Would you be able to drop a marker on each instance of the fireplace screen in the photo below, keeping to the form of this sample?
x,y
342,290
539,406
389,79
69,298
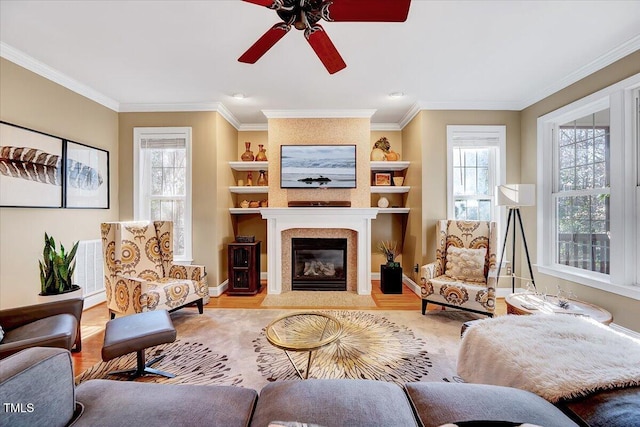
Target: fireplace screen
x,y
318,264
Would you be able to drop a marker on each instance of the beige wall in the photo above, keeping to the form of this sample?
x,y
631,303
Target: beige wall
x,y
434,162
213,145
625,310
414,248
37,103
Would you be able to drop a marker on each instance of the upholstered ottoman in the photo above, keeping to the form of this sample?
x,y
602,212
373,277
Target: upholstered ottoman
x,y
137,332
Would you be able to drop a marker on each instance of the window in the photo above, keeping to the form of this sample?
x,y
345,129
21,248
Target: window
x,y
162,182
588,194
581,194
475,156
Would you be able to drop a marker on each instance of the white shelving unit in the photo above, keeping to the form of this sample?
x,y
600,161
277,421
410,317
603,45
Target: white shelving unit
x,y
393,210
249,189
390,166
375,167
244,211
389,189
249,166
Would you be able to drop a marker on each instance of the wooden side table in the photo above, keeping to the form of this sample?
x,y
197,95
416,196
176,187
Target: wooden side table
x,y
244,268
528,303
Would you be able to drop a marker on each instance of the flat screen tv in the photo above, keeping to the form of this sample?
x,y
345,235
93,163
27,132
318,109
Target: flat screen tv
x,y
318,166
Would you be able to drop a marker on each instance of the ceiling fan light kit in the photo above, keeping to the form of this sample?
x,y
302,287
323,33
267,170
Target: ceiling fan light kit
x,y
304,15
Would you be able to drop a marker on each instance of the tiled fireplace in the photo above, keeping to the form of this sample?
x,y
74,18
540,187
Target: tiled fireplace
x,y
352,225
318,264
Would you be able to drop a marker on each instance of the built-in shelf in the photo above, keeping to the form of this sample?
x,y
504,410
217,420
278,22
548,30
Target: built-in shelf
x,y
390,166
389,189
249,166
393,210
249,189
244,211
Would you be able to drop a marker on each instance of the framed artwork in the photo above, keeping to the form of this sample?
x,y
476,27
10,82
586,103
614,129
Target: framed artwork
x,y
383,178
30,168
86,176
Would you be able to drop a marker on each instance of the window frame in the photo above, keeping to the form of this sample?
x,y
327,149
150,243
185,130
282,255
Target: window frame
x,y
478,136
139,199
623,277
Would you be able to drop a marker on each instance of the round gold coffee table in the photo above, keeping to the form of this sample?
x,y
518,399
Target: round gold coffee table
x,y
304,331
529,303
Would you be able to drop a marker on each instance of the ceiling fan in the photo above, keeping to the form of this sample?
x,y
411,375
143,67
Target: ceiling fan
x,y
305,14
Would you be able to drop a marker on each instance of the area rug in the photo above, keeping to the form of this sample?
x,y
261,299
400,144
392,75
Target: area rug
x,y
229,347
555,356
310,299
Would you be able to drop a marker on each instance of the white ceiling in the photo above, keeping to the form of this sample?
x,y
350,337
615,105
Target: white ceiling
x,y
181,55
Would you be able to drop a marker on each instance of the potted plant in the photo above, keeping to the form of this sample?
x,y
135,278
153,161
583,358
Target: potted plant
x,y
390,251
391,272
56,271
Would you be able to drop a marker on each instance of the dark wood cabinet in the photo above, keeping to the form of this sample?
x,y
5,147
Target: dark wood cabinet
x,y
244,268
390,279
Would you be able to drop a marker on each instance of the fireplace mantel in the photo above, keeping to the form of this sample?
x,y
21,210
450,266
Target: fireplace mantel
x,y
280,219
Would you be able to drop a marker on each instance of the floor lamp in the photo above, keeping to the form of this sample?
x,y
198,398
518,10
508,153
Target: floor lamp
x,y
513,196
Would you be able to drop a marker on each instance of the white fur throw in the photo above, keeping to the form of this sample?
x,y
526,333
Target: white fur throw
x,y
555,356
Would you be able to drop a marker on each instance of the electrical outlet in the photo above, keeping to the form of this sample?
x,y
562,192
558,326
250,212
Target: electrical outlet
x,y
508,270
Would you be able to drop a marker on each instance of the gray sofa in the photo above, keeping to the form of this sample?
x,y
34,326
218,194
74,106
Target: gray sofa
x,y
37,388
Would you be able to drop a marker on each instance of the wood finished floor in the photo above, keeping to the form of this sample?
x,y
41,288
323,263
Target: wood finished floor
x,y
94,319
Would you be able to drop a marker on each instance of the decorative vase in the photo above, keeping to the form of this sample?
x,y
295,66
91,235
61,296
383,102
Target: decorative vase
x,y
392,156
383,202
378,155
247,156
262,154
249,179
262,179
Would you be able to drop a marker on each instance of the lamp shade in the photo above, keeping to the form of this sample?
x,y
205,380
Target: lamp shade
x,y
515,195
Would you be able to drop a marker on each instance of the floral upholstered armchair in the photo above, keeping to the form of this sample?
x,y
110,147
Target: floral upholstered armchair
x,y
139,271
465,274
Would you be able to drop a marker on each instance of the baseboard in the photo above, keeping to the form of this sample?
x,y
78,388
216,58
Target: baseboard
x,y
216,291
415,288
94,299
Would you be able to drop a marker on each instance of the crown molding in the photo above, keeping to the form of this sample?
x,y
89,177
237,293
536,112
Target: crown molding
x,y
182,107
409,115
318,114
25,61
385,127
599,63
254,127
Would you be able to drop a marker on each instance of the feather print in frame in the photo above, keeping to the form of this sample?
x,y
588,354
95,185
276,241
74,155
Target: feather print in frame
x,y
30,168
87,176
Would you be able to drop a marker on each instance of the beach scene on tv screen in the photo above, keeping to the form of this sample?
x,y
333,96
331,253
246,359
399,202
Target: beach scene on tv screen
x,y
318,166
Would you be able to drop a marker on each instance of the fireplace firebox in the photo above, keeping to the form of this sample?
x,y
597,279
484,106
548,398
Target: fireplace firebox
x,y
318,264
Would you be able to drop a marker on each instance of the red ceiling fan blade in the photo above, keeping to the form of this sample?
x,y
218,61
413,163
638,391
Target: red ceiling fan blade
x,y
264,43
265,3
324,48
366,10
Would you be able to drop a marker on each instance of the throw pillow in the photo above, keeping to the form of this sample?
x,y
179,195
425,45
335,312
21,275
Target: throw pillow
x,y
1,334
466,264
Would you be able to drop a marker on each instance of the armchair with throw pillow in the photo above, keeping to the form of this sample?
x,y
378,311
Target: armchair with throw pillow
x,y
139,271
464,275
